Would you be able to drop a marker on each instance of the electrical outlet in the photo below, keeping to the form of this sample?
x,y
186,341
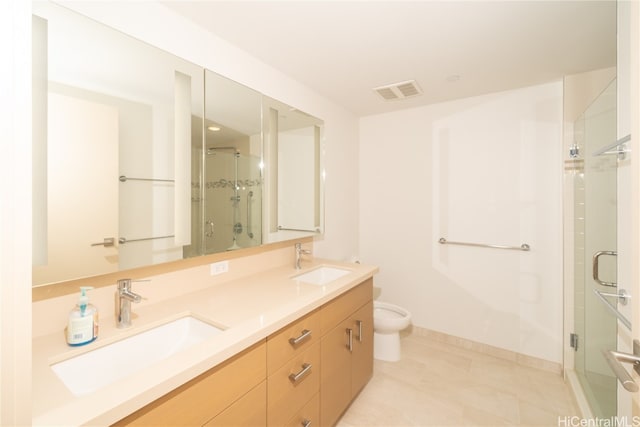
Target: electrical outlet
x,y
219,267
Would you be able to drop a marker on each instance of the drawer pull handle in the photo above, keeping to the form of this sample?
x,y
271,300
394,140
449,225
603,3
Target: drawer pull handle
x,y
350,342
306,369
305,334
359,323
306,423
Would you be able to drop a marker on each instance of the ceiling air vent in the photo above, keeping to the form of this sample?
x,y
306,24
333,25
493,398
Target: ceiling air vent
x,y
399,90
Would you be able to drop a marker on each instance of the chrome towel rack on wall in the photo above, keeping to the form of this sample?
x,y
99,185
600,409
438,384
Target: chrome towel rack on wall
x,y
123,240
524,247
124,178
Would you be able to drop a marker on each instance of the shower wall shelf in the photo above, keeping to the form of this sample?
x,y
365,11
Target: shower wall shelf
x,y
617,148
612,308
524,247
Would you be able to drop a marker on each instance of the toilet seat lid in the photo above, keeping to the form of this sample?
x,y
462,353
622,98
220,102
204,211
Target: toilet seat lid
x,y
390,311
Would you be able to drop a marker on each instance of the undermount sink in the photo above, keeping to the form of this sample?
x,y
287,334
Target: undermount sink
x,y
91,371
322,275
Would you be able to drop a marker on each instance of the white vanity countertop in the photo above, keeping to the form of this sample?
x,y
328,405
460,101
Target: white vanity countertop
x,y
251,308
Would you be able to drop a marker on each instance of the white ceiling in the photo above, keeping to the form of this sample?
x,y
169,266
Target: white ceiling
x,y
343,49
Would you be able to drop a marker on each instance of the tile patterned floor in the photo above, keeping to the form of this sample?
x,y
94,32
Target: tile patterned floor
x,y
438,384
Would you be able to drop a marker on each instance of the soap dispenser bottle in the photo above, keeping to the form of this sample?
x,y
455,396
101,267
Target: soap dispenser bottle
x,y
82,327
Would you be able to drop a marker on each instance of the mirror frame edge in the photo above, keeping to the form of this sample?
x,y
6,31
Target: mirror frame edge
x,y
57,289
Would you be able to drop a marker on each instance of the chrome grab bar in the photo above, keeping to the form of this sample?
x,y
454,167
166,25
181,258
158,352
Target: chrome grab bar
x,y
317,230
108,241
306,369
612,308
124,240
522,247
249,215
595,262
614,358
306,333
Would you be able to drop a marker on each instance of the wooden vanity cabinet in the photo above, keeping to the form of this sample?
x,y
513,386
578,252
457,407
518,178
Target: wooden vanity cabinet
x,y
346,350
306,374
235,391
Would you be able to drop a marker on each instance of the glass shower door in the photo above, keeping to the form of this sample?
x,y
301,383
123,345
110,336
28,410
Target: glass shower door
x,y
595,233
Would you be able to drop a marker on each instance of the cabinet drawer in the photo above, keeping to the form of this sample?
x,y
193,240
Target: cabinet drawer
x,y
285,396
204,397
248,411
309,415
281,346
343,306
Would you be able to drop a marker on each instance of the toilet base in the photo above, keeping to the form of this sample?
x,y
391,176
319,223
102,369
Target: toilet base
x,y
386,346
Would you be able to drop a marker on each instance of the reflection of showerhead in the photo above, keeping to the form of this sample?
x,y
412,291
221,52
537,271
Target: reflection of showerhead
x,y
212,150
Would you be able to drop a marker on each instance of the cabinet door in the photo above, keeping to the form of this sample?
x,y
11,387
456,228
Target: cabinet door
x,y
248,411
362,356
198,401
335,389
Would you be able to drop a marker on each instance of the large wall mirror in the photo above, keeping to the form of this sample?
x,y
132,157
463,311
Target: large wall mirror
x,y
141,157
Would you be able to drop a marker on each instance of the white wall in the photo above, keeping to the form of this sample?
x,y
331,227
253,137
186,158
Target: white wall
x,y
15,213
626,207
149,21
486,170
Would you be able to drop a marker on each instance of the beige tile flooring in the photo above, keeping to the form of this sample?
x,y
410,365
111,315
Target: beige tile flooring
x,y
438,384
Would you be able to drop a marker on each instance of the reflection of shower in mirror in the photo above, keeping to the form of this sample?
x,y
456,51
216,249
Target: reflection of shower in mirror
x,y
229,199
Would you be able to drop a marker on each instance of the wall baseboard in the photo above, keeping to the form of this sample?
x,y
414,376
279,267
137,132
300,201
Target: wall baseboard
x,y
519,358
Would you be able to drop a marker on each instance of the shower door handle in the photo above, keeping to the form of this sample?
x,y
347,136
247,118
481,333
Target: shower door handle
x,y
595,261
249,200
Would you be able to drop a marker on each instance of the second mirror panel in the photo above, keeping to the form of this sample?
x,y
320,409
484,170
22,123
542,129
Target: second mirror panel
x,y
231,189
293,144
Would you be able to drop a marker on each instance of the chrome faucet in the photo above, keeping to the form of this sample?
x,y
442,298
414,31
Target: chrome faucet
x,y
124,298
299,253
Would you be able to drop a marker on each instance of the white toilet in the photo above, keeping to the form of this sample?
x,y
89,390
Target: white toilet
x,y
388,321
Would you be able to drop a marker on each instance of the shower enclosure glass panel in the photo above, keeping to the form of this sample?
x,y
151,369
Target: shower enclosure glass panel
x,y
595,230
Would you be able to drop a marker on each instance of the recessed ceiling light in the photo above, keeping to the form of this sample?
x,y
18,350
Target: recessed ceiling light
x,y
213,128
